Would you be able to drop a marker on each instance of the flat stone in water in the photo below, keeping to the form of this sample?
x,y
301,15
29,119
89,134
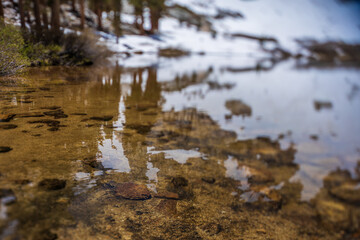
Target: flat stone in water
x,y
29,115
56,114
132,191
5,149
179,182
104,118
8,126
51,184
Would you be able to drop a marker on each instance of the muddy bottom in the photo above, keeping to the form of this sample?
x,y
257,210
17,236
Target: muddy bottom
x,y
165,153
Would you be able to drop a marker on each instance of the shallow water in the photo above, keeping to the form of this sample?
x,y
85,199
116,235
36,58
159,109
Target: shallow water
x,y
225,152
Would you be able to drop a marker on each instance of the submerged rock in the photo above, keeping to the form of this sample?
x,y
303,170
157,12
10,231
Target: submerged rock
x,y
238,108
51,184
103,118
5,149
179,182
132,191
29,115
56,114
167,207
8,126
6,117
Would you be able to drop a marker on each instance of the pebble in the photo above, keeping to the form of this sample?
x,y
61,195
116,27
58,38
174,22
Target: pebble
x,y
209,180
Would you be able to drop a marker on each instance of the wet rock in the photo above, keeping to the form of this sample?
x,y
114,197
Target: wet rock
x,y
7,126
333,214
167,207
51,184
53,129
56,114
319,105
93,163
179,181
132,191
5,149
47,235
103,118
25,101
349,192
209,180
238,108
7,196
6,117
167,195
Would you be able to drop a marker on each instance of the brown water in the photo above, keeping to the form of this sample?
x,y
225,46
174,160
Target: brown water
x,y
215,153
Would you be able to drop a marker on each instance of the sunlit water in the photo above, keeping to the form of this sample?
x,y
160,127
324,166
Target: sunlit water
x,y
250,154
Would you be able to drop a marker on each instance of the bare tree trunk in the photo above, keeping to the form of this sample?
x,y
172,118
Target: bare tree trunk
x,y
1,12
99,17
82,14
73,3
45,19
37,17
22,15
55,16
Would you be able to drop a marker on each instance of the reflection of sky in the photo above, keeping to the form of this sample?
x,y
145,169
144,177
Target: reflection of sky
x,y
282,100
111,155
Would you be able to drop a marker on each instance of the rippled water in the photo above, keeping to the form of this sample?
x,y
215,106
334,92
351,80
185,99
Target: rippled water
x,y
190,149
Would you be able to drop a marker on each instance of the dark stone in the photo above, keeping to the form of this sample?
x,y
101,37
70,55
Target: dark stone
x,y
51,184
6,117
47,235
209,180
53,129
104,118
5,149
179,182
26,101
56,114
132,191
8,126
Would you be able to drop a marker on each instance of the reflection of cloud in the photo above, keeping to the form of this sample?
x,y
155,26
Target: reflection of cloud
x,y
179,155
111,155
